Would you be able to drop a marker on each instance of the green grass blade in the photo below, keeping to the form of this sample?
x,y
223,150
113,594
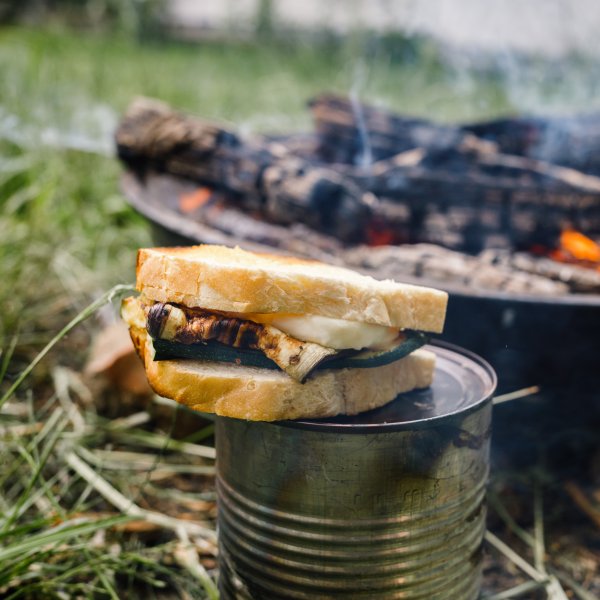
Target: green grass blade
x,y
6,354
38,467
79,318
57,535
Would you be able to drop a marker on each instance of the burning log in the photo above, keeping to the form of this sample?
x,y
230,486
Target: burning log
x,y
203,214
354,133
568,141
258,175
467,199
454,189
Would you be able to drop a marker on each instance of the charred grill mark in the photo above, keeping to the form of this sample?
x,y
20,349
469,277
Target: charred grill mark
x,y
234,332
201,326
248,335
157,317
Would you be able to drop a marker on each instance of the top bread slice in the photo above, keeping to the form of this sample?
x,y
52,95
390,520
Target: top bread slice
x,y
234,280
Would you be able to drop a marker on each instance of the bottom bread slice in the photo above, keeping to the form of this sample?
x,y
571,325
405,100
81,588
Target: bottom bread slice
x,y
255,394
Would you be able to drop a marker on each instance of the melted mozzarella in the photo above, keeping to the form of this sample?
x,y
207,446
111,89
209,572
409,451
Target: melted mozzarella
x,y
332,333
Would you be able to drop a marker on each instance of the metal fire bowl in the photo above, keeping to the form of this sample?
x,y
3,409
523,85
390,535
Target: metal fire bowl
x,y
529,340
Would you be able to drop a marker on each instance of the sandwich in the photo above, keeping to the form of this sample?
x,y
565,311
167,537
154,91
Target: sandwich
x,y
263,337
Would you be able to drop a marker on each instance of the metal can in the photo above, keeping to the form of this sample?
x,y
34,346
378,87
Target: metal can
x,y
386,504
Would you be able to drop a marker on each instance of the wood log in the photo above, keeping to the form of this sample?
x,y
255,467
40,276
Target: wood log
x,y
469,200
186,213
258,175
454,190
572,141
457,190
349,130
355,133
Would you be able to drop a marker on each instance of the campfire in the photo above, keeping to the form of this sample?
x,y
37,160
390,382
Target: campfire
x,y
390,195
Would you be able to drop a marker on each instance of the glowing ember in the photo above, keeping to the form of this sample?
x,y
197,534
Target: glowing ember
x,y
190,202
577,247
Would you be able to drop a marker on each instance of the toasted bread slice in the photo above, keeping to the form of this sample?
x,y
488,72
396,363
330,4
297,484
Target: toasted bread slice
x,y
268,395
233,280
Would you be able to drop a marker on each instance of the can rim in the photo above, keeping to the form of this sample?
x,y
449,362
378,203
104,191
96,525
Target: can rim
x,y
451,352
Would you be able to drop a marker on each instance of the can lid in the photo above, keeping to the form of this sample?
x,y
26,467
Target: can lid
x,y
462,383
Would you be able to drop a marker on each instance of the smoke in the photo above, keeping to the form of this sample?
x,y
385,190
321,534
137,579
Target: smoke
x,y
88,129
542,54
365,158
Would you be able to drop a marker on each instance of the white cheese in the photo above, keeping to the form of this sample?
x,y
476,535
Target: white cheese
x,y
332,333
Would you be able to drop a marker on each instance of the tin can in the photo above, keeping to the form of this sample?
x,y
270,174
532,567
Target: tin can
x,y
386,504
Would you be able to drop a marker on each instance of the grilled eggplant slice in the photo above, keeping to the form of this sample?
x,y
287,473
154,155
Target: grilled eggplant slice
x,y
215,351
194,327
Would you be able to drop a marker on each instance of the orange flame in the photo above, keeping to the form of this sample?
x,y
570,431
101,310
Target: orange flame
x,y
579,246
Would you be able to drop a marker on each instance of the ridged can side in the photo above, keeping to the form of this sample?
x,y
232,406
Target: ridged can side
x,y
311,514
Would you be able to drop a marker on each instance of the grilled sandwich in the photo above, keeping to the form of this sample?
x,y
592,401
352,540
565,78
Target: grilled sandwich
x,y
265,337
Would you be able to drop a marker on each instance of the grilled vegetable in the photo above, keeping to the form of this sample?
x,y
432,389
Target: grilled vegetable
x,y
364,360
194,327
216,351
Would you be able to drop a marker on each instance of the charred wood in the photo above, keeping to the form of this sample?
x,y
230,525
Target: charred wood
x,y
350,131
354,133
209,216
453,190
470,200
457,190
259,176
569,141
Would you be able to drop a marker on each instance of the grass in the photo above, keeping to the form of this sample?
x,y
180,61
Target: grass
x,y
67,529
61,498
91,505
262,85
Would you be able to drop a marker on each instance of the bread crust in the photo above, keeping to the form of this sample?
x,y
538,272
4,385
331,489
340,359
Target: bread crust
x,y
268,395
233,280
